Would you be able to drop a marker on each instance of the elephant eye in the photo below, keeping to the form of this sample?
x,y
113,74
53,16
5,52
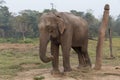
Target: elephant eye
x,y
50,30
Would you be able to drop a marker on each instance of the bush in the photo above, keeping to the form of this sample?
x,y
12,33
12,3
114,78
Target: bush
x,y
28,40
39,78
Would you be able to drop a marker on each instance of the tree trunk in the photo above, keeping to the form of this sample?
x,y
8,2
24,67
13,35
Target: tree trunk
x,y
101,38
23,35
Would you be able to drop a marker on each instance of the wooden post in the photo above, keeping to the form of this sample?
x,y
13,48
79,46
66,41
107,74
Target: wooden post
x,y
110,42
101,38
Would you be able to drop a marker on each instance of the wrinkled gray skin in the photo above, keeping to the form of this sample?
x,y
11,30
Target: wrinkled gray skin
x,y
67,30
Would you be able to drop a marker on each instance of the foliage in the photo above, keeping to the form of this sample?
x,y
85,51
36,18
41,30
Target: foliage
x,y
93,24
4,21
77,13
39,77
25,24
117,25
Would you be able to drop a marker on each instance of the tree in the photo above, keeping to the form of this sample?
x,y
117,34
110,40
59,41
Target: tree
x,y
4,20
116,28
26,23
92,24
32,19
81,14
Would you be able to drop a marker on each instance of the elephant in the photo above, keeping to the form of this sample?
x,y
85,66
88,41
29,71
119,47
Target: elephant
x,y
67,30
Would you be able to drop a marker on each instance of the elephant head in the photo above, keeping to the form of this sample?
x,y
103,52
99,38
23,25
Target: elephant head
x,y
51,26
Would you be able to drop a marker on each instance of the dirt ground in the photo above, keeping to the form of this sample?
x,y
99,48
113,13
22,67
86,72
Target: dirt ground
x,y
107,72
18,46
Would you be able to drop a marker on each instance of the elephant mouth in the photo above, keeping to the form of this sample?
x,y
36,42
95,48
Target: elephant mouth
x,y
55,40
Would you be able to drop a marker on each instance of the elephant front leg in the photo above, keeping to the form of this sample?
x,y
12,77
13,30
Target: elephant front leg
x,y
66,58
66,43
55,61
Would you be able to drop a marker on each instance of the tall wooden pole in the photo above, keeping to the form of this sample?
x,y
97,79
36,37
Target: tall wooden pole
x,y
101,38
110,42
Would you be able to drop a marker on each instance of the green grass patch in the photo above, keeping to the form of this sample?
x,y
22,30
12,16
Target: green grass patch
x,y
12,61
14,40
39,77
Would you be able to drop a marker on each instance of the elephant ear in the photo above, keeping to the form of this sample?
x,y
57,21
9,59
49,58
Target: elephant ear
x,y
61,25
60,22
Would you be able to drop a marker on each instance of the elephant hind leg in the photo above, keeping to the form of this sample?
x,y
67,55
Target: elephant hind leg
x,y
84,52
82,57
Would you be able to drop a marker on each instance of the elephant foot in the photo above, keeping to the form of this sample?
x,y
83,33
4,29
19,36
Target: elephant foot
x,y
84,69
56,73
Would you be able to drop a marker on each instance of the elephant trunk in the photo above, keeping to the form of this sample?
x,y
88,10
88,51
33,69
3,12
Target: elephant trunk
x,y
42,49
